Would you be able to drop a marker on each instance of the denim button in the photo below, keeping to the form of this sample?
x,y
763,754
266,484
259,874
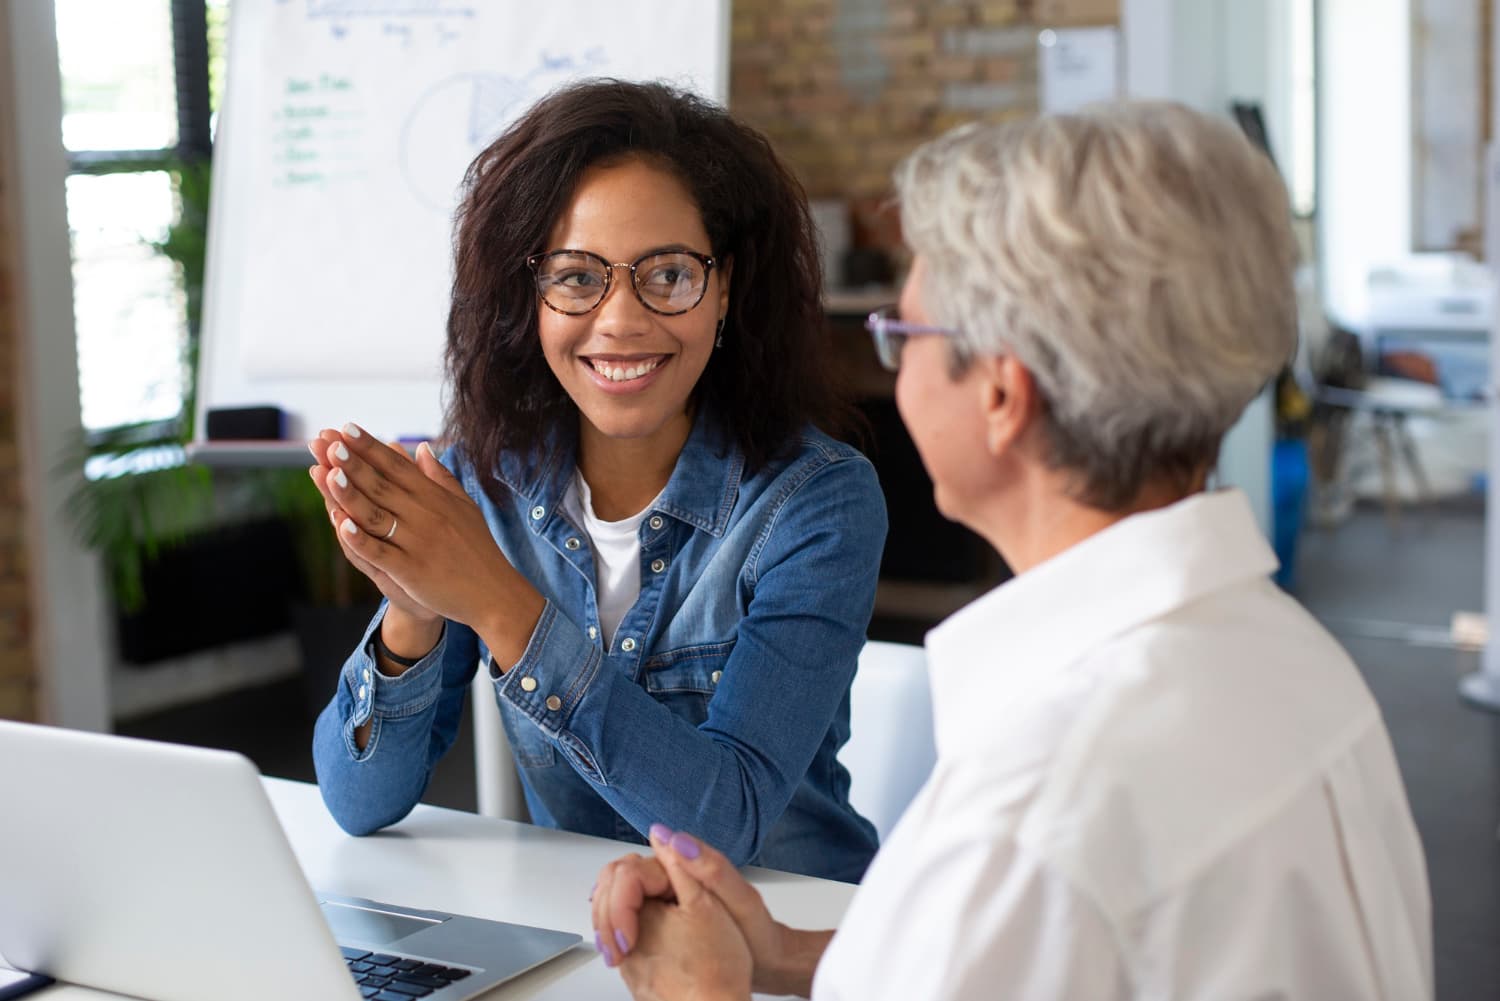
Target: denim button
x,y
361,693
572,543
655,522
528,684
537,513
657,566
593,632
554,703
627,644
366,675
716,676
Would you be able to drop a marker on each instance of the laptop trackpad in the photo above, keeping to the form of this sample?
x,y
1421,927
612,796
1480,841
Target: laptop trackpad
x,y
369,926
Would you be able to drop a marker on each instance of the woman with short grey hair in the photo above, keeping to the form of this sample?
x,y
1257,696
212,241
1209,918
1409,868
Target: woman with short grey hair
x,y
1158,777
1137,262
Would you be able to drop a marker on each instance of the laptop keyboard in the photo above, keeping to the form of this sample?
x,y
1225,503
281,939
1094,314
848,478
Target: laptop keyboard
x,y
383,977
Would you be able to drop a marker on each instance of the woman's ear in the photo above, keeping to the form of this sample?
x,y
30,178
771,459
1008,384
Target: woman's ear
x,y
1009,401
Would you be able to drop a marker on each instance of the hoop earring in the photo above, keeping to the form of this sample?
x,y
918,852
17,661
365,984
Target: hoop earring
x,y
719,333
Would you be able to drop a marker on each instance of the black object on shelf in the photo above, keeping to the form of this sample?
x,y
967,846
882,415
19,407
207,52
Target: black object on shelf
x,y
245,424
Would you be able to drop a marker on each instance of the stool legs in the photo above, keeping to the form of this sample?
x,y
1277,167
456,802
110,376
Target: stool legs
x,y
1413,464
1387,468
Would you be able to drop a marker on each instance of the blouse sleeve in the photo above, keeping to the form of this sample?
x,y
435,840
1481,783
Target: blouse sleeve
x,y
971,919
413,718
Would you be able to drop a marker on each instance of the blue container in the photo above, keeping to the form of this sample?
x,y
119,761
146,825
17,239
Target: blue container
x,y
1289,478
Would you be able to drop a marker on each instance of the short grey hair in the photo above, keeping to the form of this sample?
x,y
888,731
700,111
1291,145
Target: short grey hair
x,y
1136,257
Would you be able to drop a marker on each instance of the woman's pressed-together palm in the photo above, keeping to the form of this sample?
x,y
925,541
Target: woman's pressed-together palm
x,y
634,886
440,561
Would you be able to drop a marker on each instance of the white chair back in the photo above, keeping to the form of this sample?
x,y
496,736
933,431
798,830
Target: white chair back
x,y
891,749
889,754
497,783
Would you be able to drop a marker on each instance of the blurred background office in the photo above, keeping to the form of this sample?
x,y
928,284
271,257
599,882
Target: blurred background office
x,y
150,596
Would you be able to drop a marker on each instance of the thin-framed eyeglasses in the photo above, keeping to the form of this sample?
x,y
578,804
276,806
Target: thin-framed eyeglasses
x,y
574,282
891,333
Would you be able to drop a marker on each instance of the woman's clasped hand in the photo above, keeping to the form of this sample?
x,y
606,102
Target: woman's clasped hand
x,y
684,921
406,523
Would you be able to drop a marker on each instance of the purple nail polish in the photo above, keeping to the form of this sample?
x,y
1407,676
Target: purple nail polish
x,y
620,941
660,832
598,943
593,890
685,846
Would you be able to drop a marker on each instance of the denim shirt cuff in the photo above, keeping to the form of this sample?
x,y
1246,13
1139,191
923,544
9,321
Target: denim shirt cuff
x,y
554,673
373,692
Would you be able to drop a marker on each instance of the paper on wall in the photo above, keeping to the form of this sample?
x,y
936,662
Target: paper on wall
x,y
1077,67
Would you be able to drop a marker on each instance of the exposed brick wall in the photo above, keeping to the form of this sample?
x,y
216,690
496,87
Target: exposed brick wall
x,y
846,88
18,683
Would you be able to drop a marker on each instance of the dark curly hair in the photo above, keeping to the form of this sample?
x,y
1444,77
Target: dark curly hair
x,y
772,375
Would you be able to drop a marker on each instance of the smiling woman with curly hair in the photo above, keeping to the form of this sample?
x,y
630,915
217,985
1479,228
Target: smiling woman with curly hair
x,y
641,525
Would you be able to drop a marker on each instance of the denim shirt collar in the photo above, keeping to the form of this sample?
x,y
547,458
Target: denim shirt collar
x,y
701,491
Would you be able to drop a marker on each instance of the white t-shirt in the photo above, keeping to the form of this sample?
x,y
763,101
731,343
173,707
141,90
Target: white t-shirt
x,y
1158,778
617,555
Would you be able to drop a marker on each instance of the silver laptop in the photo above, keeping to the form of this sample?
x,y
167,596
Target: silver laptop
x,y
161,871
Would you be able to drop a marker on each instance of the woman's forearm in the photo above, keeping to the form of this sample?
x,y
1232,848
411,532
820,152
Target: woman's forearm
x,y
406,636
409,638
797,959
413,719
510,618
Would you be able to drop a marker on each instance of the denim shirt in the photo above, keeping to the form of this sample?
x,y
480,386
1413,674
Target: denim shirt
x,y
720,707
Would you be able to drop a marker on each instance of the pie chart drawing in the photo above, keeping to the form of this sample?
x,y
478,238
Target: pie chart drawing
x,y
449,125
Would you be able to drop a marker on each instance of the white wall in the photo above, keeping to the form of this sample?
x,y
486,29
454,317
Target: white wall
x,y
1146,33
1203,52
1207,53
70,640
1365,159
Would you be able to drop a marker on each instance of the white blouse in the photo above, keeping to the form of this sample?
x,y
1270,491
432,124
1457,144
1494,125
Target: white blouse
x,y
1158,778
617,555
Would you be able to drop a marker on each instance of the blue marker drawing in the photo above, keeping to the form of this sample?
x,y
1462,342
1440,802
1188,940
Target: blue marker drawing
x,y
387,8
340,15
458,116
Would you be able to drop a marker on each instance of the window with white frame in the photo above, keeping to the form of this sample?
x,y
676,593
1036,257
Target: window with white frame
x,y
140,81
1302,168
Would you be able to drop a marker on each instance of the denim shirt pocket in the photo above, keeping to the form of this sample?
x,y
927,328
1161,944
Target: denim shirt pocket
x,y
684,679
531,747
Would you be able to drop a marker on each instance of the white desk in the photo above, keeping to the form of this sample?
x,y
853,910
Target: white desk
x,y
455,861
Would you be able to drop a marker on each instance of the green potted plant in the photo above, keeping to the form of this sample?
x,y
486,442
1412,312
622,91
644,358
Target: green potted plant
x,y
138,499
